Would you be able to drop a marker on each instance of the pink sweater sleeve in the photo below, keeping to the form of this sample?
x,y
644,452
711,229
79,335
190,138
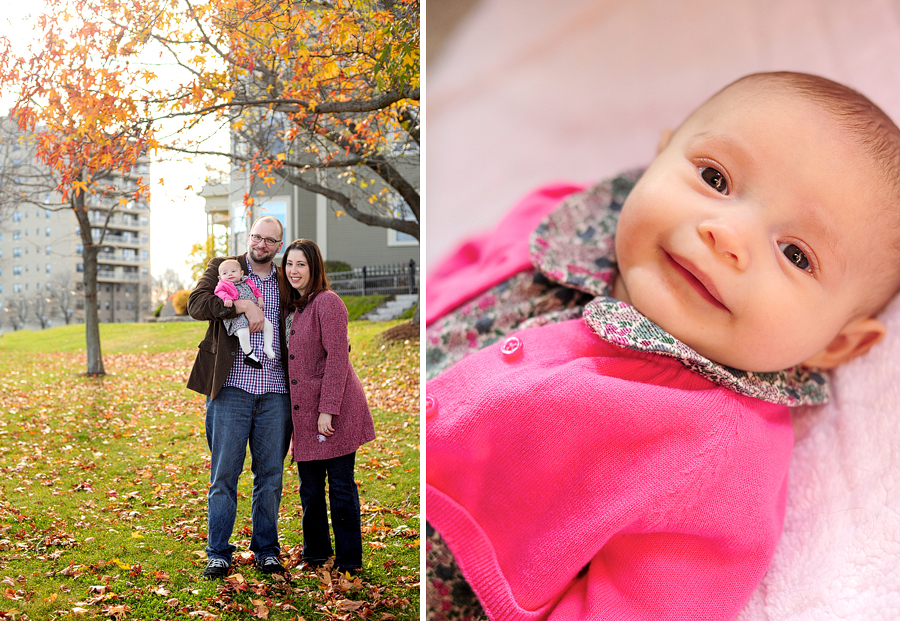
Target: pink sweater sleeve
x,y
484,261
332,316
226,290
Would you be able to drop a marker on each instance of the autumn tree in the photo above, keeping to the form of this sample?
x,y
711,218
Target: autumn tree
x,y
202,252
17,310
322,95
41,309
166,285
77,99
62,297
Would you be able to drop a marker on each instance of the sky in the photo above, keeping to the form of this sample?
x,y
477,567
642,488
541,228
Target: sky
x,y
177,216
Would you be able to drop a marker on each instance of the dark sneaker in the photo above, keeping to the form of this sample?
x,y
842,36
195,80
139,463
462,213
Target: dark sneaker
x,y
270,565
216,568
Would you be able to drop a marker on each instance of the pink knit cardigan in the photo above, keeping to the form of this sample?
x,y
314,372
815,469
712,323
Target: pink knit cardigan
x,y
227,290
574,479
321,379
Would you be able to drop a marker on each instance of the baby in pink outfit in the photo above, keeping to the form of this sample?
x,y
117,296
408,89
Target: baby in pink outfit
x,y
233,285
608,430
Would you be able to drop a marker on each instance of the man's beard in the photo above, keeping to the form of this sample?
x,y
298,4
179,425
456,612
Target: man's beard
x,y
262,255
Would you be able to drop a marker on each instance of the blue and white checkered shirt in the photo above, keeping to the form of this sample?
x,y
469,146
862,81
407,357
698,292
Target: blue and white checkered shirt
x,y
271,377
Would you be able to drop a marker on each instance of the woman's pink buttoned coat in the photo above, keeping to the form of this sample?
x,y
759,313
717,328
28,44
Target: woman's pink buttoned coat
x,y
321,379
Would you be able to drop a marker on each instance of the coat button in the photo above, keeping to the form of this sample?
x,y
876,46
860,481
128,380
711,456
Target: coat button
x,y
296,407
512,348
292,356
293,381
431,406
292,331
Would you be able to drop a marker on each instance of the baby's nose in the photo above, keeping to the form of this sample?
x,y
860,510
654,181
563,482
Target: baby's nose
x,y
727,240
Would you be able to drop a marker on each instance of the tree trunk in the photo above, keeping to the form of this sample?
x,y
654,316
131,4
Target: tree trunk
x,y
91,316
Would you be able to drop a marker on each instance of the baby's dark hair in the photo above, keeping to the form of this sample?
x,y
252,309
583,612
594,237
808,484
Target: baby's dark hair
x,y
879,138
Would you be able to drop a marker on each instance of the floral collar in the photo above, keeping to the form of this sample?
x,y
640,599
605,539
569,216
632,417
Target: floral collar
x,y
575,246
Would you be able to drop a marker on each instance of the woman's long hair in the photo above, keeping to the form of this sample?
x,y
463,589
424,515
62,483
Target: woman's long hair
x,y
318,281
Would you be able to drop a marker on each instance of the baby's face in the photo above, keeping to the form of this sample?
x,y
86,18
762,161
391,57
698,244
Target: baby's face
x,y
751,236
231,272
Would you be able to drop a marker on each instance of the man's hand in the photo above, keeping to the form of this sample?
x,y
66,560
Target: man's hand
x,y
254,315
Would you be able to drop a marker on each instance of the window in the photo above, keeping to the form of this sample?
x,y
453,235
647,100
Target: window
x,y
17,234
17,217
48,270
47,250
17,287
79,268
48,231
17,270
17,252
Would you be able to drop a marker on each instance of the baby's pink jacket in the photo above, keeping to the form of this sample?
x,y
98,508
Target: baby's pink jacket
x,y
228,291
574,479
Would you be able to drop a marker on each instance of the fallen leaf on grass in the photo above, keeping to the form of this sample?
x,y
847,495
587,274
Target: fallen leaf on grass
x,y
117,612
349,605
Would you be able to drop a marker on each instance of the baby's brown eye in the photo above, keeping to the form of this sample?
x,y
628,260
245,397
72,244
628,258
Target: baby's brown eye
x,y
715,179
795,255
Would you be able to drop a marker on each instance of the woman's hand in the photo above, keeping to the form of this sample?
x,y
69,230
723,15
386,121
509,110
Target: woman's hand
x,y
325,427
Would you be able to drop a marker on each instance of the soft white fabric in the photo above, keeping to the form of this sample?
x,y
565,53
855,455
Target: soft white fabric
x,y
530,91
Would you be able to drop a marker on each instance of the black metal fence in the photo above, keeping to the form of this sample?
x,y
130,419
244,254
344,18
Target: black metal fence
x,y
380,279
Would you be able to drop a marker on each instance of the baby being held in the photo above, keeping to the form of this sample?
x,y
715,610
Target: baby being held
x,y
233,285
608,426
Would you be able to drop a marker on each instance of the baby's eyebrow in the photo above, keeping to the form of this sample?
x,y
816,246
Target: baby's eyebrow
x,y
817,226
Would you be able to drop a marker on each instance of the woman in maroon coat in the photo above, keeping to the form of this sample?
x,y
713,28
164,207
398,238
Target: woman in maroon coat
x,y
330,414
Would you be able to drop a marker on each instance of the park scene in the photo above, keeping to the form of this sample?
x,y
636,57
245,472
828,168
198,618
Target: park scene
x,y
128,128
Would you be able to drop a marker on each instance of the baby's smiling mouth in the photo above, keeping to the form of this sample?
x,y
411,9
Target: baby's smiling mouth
x,y
697,279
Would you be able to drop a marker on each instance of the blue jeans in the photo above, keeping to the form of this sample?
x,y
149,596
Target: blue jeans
x,y
234,418
345,520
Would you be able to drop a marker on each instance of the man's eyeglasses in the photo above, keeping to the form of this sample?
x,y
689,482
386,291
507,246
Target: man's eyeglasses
x,y
269,241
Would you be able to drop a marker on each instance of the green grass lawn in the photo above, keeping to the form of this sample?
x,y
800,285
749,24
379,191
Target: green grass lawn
x,y
103,487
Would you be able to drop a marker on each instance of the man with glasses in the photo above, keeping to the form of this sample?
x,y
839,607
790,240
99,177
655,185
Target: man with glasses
x,y
243,404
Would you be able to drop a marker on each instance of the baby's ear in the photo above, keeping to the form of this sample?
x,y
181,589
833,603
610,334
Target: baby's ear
x,y
856,338
664,137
